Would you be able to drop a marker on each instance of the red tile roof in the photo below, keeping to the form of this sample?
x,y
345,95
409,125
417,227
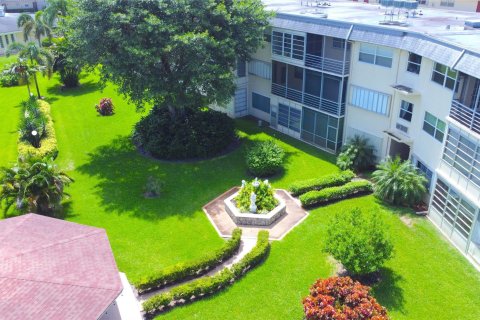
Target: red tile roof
x,y
54,269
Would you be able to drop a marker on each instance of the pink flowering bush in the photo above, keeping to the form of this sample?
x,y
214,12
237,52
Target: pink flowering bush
x,y
105,107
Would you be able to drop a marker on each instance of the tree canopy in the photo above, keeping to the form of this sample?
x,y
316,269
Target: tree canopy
x,y
175,53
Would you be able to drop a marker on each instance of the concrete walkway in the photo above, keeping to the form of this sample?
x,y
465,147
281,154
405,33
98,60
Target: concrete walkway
x,y
246,246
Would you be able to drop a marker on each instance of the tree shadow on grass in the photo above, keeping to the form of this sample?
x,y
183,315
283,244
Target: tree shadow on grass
x,y
83,88
389,292
121,173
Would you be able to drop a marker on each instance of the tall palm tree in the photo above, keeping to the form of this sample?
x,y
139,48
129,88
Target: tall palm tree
x,y
40,59
33,185
38,25
399,182
21,68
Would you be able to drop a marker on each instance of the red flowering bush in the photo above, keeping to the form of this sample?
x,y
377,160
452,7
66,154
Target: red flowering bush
x,y
105,107
341,298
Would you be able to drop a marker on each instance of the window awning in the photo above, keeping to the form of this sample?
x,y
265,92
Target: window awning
x,y
399,136
400,88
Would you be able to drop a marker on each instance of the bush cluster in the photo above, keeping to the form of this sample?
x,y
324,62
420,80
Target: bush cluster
x,y
184,271
192,134
357,155
105,107
46,134
332,194
265,201
342,298
331,180
265,158
8,78
206,286
359,241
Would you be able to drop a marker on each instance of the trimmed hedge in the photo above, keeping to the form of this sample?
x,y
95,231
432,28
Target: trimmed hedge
x,y
332,194
331,180
206,286
188,270
48,145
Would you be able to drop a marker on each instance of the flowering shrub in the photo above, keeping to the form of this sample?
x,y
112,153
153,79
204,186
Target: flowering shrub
x,y
265,201
341,298
105,107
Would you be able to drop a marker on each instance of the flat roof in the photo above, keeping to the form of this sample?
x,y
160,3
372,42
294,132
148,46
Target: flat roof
x,y
443,24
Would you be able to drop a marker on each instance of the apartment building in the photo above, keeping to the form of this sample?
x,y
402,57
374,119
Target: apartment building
x,y
410,84
9,31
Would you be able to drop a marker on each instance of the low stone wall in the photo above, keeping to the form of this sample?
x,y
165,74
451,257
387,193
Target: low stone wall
x,y
254,219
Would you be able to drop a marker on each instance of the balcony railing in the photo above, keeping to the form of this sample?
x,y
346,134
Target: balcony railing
x,y
327,64
470,118
332,107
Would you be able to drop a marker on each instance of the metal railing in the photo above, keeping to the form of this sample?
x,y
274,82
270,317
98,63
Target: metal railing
x,y
332,107
327,64
470,118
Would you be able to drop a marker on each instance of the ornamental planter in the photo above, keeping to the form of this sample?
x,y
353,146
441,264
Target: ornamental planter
x,y
254,219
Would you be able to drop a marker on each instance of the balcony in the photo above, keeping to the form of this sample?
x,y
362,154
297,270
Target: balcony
x,y
328,106
327,64
470,118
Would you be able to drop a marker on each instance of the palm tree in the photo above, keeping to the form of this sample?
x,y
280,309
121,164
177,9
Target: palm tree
x,y
399,182
41,59
357,154
39,25
22,68
33,185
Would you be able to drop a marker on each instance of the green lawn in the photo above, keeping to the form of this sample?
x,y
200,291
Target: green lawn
x,y
427,278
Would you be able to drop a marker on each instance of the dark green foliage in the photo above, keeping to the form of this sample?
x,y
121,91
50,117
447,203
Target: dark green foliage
x,y
176,53
265,201
359,241
33,123
66,63
33,185
184,271
265,158
206,286
327,195
357,155
192,134
331,180
399,182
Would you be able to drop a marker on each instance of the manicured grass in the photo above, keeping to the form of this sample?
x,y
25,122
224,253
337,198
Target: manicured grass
x,y
427,278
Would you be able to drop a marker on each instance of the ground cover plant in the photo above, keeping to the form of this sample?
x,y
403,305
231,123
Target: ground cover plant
x,y
110,177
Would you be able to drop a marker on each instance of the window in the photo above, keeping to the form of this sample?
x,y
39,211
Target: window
x,y
463,154
444,76
370,100
241,68
288,45
453,209
447,3
401,127
322,130
1,43
426,172
267,36
289,117
260,69
6,39
338,43
414,63
378,55
260,102
13,37
434,126
406,110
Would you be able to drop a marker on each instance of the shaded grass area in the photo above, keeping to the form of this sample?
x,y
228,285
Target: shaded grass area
x,y
426,277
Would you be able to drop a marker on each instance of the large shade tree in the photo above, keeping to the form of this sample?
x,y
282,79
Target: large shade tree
x,y
171,53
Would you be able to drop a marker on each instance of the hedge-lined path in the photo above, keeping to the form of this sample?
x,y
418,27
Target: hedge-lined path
x,y
215,211
246,246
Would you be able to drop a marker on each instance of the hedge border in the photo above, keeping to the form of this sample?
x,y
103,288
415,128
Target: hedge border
x,y
185,271
328,195
48,144
331,180
207,286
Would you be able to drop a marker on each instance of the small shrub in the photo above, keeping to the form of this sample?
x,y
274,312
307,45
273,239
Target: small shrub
x,y
265,201
207,286
343,299
105,107
9,79
192,134
47,145
153,187
331,180
187,270
359,241
399,182
327,195
265,158
357,155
